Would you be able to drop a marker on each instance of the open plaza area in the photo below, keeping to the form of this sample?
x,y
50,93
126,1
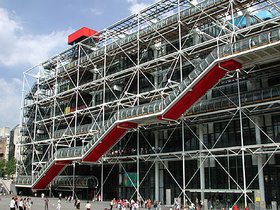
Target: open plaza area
x,y
39,204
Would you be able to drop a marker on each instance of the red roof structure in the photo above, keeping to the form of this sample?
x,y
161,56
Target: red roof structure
x,y
80,35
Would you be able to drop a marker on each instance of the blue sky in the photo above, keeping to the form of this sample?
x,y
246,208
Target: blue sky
x,y
34,30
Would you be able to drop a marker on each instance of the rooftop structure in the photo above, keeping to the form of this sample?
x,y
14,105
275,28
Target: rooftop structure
x,y
187,91
80,35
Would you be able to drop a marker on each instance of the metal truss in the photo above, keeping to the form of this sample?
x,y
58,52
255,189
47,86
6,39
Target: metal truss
x,y
68,98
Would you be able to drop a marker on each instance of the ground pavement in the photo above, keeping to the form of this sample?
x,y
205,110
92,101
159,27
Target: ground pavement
x,y
38,204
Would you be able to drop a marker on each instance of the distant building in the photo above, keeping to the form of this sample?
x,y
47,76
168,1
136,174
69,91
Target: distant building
x,y
15,137
4,142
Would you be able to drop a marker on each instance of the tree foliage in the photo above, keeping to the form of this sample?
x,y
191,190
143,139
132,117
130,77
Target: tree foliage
x,y
7,167
10,168
2,167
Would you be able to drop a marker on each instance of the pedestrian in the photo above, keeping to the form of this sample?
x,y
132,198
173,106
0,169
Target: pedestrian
x,y
46,203
88,206
77,203
159,206
16,201
12,204
29,203
149,204
156,205
115,203
111,204
58,205
24,204
20,205
69,198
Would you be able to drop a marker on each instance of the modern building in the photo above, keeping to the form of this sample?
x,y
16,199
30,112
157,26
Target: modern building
x,y
179,101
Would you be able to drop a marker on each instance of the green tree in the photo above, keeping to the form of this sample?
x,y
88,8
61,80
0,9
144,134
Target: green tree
x,y
2,167
10,167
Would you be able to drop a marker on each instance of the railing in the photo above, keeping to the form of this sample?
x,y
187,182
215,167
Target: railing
x,y
85,182
248,98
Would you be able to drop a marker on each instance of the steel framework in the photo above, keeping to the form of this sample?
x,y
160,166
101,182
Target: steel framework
x,y
152,72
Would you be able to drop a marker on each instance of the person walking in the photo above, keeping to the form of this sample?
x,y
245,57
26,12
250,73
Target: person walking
x,y
20,205
88,206
58,205
12,204
77,204
29,203
46,203
149,204
111,204
24,203
16,201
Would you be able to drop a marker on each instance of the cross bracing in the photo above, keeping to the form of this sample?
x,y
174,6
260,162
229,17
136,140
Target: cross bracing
x,y
139,71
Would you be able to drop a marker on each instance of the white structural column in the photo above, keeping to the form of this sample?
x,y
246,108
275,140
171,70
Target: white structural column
x,y
201,163
102,181
156,169
260,158
183,161
138,164
242,140
74,170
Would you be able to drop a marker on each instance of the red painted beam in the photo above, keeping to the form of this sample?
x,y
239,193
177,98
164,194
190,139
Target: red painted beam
x,y
207,82
128,125
108,141
51,173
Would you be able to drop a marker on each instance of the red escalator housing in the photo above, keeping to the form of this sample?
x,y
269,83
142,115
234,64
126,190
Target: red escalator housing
x,y
116,133
51,173
207,82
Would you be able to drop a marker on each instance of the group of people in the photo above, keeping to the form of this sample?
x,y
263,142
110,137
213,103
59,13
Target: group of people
x,y
133,151
77,203
21,204
123,204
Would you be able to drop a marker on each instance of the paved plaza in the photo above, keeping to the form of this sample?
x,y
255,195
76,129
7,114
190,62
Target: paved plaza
x,y
38,204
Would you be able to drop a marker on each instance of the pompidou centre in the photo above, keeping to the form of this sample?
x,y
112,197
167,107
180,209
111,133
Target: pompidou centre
x,y
177,102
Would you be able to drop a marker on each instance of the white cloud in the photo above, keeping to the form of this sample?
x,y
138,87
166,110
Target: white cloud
x,y
19,48
136,7
10,98
95,11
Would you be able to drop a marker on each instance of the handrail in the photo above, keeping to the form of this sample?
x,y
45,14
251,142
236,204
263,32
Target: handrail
x,y
225,102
